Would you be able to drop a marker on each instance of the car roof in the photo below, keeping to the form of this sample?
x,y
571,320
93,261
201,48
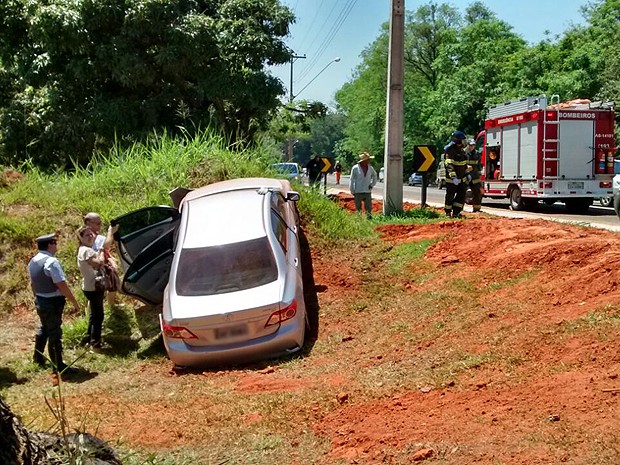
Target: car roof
x,y
236,207
281,185
224,218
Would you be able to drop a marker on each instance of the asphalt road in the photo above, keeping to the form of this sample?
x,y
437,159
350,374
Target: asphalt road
x,y
597,216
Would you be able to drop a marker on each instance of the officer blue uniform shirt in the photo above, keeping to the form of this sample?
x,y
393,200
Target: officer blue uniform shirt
x,y
51,269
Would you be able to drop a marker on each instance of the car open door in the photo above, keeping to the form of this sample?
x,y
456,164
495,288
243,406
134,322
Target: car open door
x,y
138,229
147,277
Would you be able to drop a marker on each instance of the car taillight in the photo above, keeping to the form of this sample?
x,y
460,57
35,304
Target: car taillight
x,y
604,184
282,315
177,332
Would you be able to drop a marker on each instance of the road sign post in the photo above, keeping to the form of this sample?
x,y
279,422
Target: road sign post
x,y
423,161
327,166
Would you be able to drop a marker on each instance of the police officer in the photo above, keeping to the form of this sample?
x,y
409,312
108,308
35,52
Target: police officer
x,y
456,175
50,290
474,168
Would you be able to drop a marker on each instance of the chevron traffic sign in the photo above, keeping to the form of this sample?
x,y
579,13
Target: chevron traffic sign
x,y
423,157
327,164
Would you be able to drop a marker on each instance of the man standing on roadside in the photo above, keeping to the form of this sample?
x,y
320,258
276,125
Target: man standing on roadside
x,y
363,179
338,170
51,291
314,171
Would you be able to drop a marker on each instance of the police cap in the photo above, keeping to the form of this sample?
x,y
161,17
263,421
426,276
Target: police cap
x,y
46,238
459,135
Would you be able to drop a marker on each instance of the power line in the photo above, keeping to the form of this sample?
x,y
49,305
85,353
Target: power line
x,y
316,14
342,17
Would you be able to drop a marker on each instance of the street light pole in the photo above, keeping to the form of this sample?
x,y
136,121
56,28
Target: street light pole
x,y
290,100
335,60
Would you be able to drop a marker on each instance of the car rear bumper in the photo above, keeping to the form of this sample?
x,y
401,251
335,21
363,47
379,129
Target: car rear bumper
x,y
289,338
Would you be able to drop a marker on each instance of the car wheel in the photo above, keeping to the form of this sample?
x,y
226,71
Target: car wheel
x,y
606,201
516,201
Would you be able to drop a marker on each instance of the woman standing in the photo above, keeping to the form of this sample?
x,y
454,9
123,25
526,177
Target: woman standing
x,y
89,262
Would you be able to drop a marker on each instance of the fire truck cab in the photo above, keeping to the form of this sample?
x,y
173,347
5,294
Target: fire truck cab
x,y
537,150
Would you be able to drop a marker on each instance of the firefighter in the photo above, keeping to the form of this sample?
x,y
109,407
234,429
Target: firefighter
x,y
474,168
456,174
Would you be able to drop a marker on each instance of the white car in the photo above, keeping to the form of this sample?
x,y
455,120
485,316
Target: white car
x,y
225,266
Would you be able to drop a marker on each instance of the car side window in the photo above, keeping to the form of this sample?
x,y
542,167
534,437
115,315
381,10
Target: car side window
x,y
278,203
279,228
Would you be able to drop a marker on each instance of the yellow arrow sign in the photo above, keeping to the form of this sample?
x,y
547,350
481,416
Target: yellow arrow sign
x,y
425,158
327,165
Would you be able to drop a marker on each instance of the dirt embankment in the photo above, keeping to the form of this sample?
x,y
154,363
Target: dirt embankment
x,y
552,303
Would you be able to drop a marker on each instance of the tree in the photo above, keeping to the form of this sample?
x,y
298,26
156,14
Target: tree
x,y
472,71
76,75
362,100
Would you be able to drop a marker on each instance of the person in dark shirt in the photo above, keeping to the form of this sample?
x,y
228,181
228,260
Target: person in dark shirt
x,y
314,170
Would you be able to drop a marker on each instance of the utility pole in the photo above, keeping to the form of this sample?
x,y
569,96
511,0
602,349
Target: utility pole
x,y
290,101
393,158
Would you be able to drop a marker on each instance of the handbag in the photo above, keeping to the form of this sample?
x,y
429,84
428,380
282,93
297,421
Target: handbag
x,y
100,279
112,280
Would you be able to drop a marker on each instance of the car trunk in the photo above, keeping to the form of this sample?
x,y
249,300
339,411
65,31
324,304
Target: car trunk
x,y
217,319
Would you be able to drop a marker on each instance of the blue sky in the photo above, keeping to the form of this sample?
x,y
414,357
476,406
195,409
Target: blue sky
x,y
329,29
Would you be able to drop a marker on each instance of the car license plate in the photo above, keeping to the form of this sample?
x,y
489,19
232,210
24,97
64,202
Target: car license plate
x,y
229,332
575,185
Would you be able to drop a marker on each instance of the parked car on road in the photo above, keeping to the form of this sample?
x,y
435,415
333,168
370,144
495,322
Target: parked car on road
x,y
225,266
415,178
289,171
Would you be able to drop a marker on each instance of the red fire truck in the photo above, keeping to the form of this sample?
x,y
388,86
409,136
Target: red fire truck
x,y
534,149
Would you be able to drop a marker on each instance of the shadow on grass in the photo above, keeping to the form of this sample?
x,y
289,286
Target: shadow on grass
x,y
147,319
121,343
9,378
154,349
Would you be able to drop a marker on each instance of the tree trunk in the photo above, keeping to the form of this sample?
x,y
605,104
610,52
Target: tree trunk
x,y
18,446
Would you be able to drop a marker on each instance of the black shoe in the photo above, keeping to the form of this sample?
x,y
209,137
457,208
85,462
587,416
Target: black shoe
x,y
40,361
66,370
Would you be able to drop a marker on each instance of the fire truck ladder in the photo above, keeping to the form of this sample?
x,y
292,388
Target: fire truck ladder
x,y
551,145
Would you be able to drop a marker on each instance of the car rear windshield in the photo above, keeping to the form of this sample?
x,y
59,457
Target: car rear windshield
x,y
287,168
225,268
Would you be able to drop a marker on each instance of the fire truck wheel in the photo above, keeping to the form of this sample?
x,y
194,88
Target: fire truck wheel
x,y
516,201
578,205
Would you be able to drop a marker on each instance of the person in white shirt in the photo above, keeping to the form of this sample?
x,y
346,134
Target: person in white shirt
x,y
363,179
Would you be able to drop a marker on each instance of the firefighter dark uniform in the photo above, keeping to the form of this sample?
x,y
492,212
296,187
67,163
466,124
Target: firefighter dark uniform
x,y
456,175
473,161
